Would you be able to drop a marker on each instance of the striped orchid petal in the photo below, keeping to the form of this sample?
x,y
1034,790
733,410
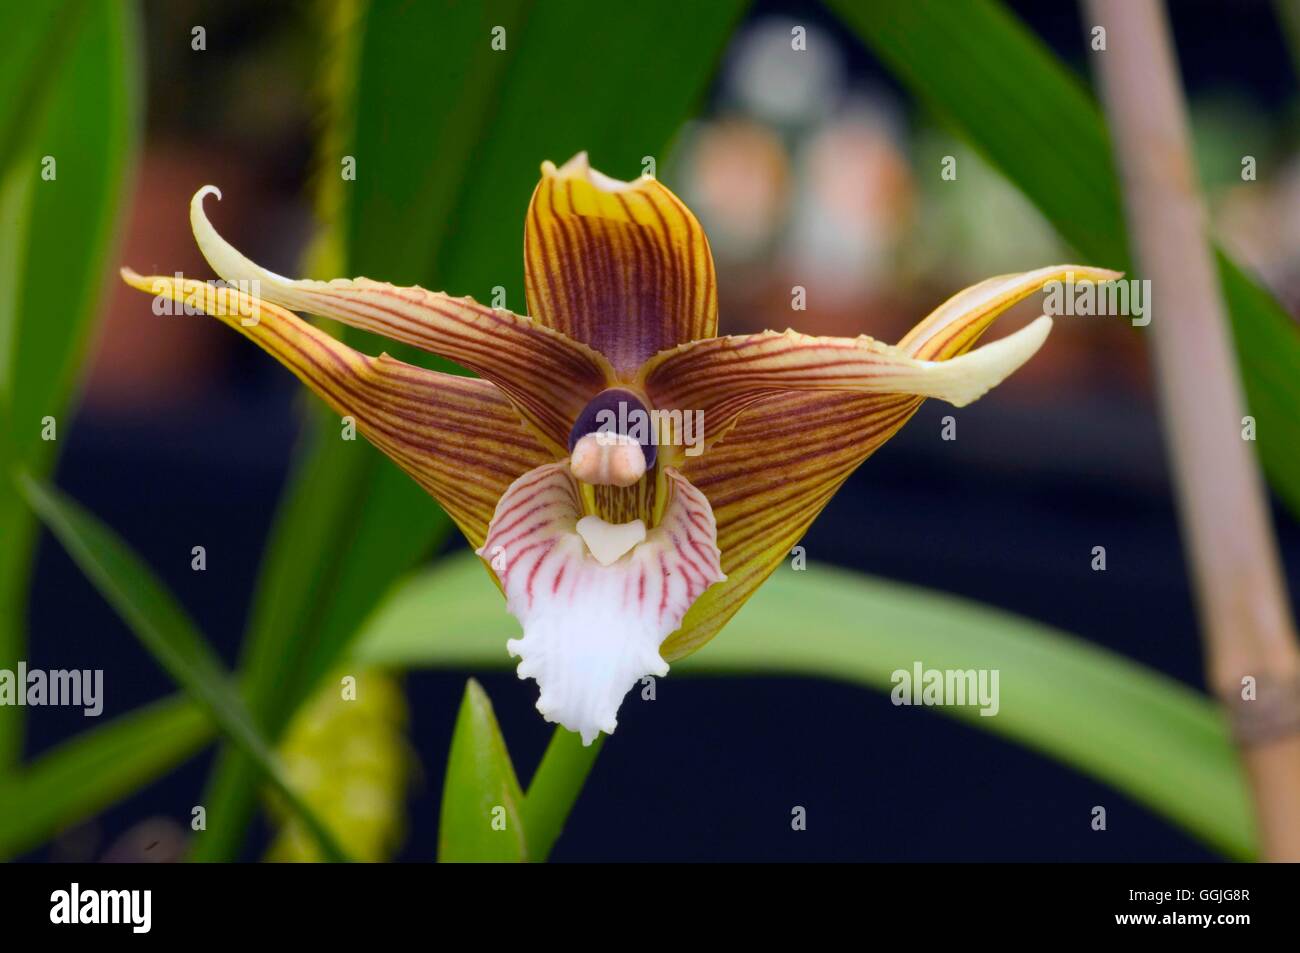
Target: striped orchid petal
x,y
458,437
953,326
621,266
548,376
593,620
721,377
770,476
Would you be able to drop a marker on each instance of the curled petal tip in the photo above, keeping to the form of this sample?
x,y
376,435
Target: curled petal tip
x,y
229,262
203,193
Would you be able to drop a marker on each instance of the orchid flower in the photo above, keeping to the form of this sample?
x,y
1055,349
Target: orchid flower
x,y
618,549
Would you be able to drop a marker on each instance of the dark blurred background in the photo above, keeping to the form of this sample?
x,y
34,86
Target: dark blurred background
x,y
185,432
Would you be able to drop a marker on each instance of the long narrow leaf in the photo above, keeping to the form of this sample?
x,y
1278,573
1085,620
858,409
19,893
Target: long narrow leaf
x,y
1143,733
36,40
162,627
93,770
68,134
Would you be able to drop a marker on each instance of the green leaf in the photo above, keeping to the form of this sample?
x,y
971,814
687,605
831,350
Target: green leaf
x,y
1147,735
69,94
34,48
481,799
162,627
94,769
1006,93
305,608
447,152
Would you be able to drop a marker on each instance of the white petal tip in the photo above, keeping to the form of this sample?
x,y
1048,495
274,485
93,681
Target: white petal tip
x,y
229,263
579,167
203,193
969,377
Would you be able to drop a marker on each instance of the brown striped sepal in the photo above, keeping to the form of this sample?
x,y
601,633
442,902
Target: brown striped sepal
x,y
621,266
721,377
951,328
458,437
549,377
770,476
592,630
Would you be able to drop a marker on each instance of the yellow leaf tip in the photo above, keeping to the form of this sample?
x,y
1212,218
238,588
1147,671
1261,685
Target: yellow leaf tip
x,y
1089,272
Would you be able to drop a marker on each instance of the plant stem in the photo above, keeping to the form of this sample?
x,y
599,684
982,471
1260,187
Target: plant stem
x,y
554,789
1242,600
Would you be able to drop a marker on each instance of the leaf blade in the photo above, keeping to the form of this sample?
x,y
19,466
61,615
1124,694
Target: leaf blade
x,y
160,624
481,818
51,792
58,233
1153,738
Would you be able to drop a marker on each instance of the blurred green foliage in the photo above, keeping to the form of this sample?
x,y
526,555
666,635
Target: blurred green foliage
x,y
161,625
69,130
345,752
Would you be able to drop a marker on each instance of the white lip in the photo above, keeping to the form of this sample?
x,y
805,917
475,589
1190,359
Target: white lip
x,y
595,599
